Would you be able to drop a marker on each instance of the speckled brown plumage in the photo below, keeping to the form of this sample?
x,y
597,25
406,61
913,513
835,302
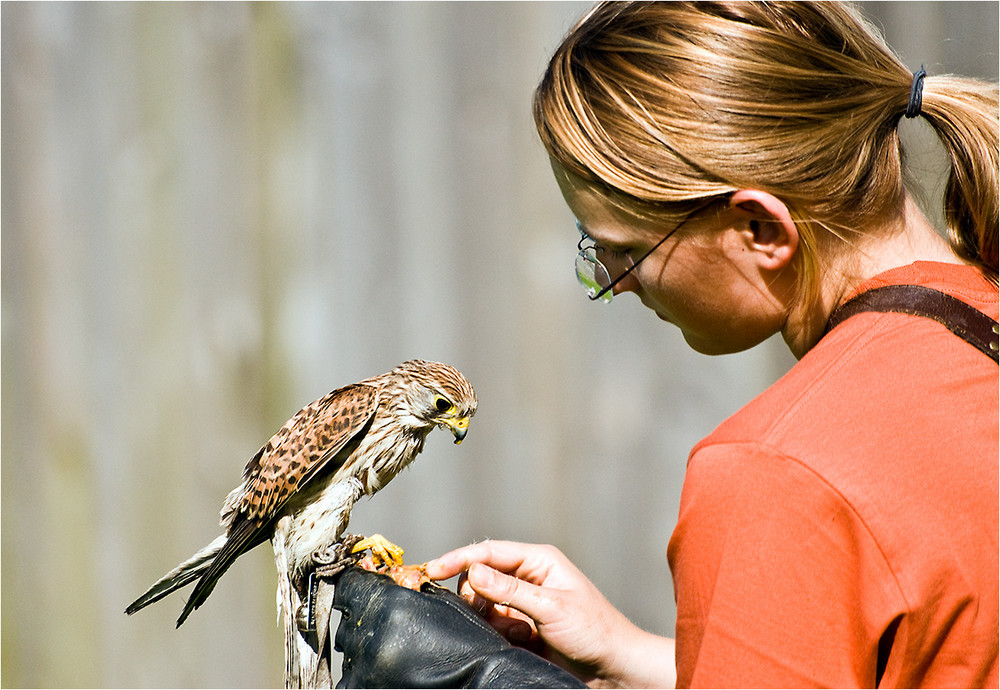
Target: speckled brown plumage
x,y
346,444
314,435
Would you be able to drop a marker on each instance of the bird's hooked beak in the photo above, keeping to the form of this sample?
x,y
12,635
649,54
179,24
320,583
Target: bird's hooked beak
x,y
458,426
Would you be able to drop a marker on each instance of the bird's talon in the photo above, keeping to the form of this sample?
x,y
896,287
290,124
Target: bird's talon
x,y
382,550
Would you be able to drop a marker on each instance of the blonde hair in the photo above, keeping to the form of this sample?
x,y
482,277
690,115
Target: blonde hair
x,y
663,105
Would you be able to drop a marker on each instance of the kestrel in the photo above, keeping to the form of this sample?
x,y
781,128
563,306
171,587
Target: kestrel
x,y
347,444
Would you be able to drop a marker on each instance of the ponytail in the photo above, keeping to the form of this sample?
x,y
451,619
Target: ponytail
x,y
964,112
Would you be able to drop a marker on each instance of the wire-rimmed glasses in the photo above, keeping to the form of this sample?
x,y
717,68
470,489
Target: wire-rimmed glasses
x,y
594,275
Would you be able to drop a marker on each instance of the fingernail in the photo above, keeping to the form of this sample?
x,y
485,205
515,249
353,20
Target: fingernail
x,y
480,604
519,634
436,569
482,576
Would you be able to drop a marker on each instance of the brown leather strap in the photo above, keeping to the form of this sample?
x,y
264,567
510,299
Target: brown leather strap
x,y
965,321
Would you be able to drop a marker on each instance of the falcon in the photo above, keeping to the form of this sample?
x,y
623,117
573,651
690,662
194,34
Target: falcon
x,y
299,488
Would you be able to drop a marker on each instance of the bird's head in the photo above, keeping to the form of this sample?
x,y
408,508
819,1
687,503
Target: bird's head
x,y
437,395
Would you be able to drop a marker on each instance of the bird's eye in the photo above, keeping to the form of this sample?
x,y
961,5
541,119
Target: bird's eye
x,y
443,405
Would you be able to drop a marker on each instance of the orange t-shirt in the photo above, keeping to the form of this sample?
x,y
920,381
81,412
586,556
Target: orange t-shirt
x,y
841,529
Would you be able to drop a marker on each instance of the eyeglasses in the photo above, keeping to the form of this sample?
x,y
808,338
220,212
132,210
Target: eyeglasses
x,y
594,276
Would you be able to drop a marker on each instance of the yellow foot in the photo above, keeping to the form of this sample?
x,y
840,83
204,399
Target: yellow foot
x,y
382,549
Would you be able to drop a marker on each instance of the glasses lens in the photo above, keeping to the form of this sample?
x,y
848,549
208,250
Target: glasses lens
x,y
592,274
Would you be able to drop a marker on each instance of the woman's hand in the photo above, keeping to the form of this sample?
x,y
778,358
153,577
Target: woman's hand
x,y
536,598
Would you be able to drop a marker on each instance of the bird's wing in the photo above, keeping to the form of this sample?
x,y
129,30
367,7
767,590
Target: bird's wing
x,y
316,441
304,447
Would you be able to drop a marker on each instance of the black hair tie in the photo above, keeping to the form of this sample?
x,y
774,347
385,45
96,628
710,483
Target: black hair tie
x,y
916,94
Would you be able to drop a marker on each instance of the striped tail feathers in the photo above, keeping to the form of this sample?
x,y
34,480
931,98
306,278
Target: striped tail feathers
x,y
242,536
188,571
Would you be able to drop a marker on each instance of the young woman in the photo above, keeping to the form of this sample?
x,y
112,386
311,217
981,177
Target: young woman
x,y
738,167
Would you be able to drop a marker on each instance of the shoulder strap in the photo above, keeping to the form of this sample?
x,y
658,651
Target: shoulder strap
x,y
965,321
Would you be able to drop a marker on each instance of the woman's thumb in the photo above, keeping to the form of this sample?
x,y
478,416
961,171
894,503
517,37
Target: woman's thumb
x,y
507,590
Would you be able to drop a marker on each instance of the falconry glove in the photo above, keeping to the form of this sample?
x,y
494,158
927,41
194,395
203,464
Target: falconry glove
x,y
392,636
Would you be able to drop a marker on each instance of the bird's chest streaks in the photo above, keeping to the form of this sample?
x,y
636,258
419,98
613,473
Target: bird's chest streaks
x,y
321,519
385,450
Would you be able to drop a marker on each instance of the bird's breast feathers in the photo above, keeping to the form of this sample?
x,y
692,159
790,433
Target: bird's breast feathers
x,y
321,521
320,513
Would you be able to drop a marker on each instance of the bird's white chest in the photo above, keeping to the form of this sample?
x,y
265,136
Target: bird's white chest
x,y
321,522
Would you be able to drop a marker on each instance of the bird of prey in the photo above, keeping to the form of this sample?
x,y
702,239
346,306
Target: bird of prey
x,y
300,486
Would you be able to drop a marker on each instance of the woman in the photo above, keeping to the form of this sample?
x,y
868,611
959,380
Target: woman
x,y
738,167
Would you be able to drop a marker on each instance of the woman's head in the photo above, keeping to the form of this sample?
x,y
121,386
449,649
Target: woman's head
x,y
662,106
722,275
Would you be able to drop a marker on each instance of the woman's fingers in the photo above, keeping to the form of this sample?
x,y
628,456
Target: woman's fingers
x,y
538,603
513,627
509,622
533,562
535,579
506,556
533,591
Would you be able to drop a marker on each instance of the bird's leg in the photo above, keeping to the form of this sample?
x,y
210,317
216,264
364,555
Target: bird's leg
x,y
382,549
385,557
327,562
312,618
333,558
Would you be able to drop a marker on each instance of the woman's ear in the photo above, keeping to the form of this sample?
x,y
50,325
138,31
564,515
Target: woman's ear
x,y
766,227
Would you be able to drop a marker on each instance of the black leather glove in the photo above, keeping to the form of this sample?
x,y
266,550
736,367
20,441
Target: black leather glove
x,y
393,637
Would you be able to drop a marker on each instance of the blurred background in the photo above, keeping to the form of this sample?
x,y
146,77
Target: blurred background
x,y
215,213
